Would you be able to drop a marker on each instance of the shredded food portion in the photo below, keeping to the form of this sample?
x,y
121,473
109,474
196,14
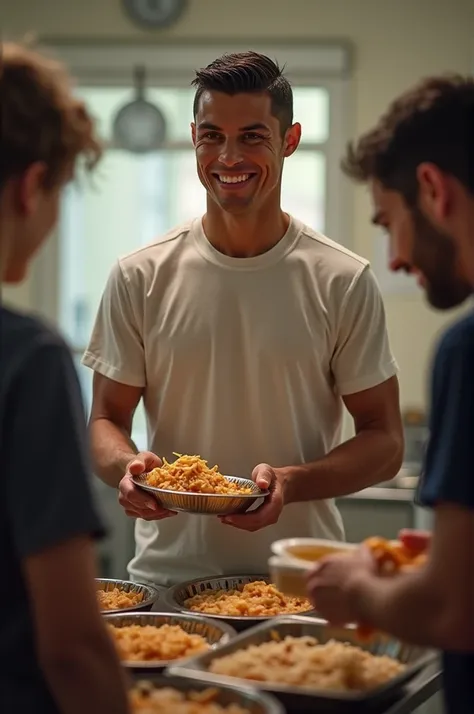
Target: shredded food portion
x,y
117,599
302,662
136,643
145,699
191,474
255,599
393,556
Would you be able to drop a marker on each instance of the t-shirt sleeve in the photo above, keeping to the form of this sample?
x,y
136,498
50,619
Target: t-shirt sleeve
x,y
362,358
48,492
449,464
116,349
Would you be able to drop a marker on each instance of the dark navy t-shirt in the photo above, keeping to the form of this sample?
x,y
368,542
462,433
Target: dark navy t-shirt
x,y
449,469
45,497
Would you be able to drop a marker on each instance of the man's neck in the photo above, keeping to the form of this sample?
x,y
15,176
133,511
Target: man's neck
x,y
470,242
244,236
465,231
5,247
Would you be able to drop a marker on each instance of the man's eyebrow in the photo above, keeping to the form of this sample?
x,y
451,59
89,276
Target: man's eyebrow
x,y
209,126
254,127
249,127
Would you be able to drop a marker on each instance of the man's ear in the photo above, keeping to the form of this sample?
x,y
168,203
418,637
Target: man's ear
x,y
433,192
193,133
292,139
30,187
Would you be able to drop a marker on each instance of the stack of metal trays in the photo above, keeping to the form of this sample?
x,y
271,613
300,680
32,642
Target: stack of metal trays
x,y
303,699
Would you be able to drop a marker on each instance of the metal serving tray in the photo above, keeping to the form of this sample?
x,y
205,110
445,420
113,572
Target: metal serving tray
x,y
298,699
256,702
210,504
150,594
216,633
176,596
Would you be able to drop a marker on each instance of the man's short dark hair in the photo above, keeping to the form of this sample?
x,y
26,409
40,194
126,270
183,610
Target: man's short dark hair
x,y
247,73
433,122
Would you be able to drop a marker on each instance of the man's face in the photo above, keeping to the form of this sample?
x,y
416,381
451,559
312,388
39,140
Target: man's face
x,y
418,246
240,149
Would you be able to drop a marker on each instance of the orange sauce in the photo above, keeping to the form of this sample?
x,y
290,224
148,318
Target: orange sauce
x,y
313,553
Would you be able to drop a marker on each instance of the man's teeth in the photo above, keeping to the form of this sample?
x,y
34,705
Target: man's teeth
x,y
234,179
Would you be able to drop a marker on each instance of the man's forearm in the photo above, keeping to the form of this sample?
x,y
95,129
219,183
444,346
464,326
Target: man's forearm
x,y
112,450
88,680
368,458
404,605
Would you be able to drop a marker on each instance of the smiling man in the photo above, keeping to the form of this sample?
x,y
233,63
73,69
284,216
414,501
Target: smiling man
x,y
419,162
245,332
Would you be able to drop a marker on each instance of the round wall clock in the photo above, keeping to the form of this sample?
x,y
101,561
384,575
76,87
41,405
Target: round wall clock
x,y
154,14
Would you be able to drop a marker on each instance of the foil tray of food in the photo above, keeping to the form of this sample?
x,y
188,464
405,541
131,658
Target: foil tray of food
x,y
155,640
242,601
188,484
166,694
306,663
121,596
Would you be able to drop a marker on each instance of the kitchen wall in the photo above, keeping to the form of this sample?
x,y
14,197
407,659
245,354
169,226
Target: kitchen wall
x,y
394,41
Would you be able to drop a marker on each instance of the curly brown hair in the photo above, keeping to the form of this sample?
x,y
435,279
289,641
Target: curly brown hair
x,y
432,122
41,120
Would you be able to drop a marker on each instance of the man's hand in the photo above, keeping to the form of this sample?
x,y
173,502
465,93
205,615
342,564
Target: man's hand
x,y
267,478
138,503
330,584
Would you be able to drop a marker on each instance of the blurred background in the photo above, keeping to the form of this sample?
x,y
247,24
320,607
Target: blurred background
x,y
346,58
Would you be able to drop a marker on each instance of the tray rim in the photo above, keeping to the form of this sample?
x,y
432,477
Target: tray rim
x,y
148,602
170,602
196,669
138,481
269,701
228,632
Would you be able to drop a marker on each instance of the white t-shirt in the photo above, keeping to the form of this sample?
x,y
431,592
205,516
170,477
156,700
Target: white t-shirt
x,y
242,361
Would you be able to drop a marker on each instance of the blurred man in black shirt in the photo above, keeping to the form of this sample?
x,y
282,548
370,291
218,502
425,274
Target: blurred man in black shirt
x,y
55,654
419,162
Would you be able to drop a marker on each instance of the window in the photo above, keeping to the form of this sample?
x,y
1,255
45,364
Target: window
x,y
131,199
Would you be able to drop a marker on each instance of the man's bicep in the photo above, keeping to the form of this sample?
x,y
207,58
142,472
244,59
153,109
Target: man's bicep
x,y
114,401
47,489
60,582
450,565
377,407
449,465
116,348
362,358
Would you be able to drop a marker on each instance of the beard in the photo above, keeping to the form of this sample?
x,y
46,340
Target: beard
x,y
435,255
